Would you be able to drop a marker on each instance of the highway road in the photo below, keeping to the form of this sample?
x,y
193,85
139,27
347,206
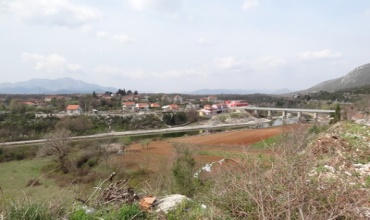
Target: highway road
x,y
142,132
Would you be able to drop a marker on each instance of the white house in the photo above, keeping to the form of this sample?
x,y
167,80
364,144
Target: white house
x,y
73,110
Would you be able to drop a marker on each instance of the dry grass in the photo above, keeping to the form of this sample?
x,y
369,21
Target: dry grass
x,y
280,187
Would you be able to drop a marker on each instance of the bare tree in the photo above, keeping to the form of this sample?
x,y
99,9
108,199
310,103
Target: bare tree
x,y
58,144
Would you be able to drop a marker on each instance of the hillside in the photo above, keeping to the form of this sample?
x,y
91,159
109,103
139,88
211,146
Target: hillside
x,y
52,86
360,76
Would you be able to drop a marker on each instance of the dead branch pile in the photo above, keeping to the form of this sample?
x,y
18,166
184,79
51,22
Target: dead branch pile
x,y
117,193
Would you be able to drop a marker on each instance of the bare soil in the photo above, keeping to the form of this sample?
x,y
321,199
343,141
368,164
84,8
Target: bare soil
x,y
159,155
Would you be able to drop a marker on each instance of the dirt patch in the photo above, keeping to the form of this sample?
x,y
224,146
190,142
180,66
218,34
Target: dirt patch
x,y
237,138
159,155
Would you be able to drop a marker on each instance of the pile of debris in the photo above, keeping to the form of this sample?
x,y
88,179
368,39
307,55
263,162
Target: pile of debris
x,y
164,204
117,194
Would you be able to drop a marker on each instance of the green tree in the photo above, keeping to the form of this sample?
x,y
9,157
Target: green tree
x,y
337,115
183,172
17,107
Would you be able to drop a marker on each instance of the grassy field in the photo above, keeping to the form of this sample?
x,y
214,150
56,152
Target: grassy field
x,y
15,176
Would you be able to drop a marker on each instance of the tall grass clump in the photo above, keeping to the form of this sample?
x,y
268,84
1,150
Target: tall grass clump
x,y
27,209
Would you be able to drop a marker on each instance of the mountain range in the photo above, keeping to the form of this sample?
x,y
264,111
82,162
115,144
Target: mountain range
x,y
360,76
52,86
237,91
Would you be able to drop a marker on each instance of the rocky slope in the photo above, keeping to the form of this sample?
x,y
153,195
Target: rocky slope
x,y
360,76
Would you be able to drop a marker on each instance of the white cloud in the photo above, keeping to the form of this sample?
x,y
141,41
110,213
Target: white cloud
x,y
321,54
52,63
107,70
223,65
203,41
249,4
270,62
229,63
52,12
168,6
114,72
117,37
141,5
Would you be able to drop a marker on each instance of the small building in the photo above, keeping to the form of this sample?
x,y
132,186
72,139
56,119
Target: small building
x,y
155,105
192,106
128,106
128,98
28,103
73,110
142,106
170,108
207,110
236,103
174,107
220,108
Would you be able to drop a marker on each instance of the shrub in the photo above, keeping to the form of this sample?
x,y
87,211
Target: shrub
x,y
130,212
183,172
280,187
80,214
18,153
126,212
32,211
314,130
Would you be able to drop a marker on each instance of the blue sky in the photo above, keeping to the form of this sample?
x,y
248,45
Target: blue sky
x,y
184,45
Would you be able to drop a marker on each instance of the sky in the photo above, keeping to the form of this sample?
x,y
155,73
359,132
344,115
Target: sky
x,y
184,45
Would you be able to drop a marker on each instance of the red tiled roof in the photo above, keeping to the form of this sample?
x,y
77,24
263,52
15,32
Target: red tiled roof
x,y
142,105
128,103
29,103
155,105
72,107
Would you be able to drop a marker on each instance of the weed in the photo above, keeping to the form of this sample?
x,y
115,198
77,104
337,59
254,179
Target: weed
x,y
130,212
80,214
187,210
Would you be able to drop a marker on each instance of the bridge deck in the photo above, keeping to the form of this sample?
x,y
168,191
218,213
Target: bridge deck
x,y
286,109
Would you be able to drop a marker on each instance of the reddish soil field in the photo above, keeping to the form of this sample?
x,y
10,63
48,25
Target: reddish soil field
x,y
159,155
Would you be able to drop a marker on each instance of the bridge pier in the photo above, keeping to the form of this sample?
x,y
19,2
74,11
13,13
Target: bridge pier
x,y
299,115
315,116
283,114
255,112
269,115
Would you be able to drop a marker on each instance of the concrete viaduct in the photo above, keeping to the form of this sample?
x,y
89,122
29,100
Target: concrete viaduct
x,y
284,111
